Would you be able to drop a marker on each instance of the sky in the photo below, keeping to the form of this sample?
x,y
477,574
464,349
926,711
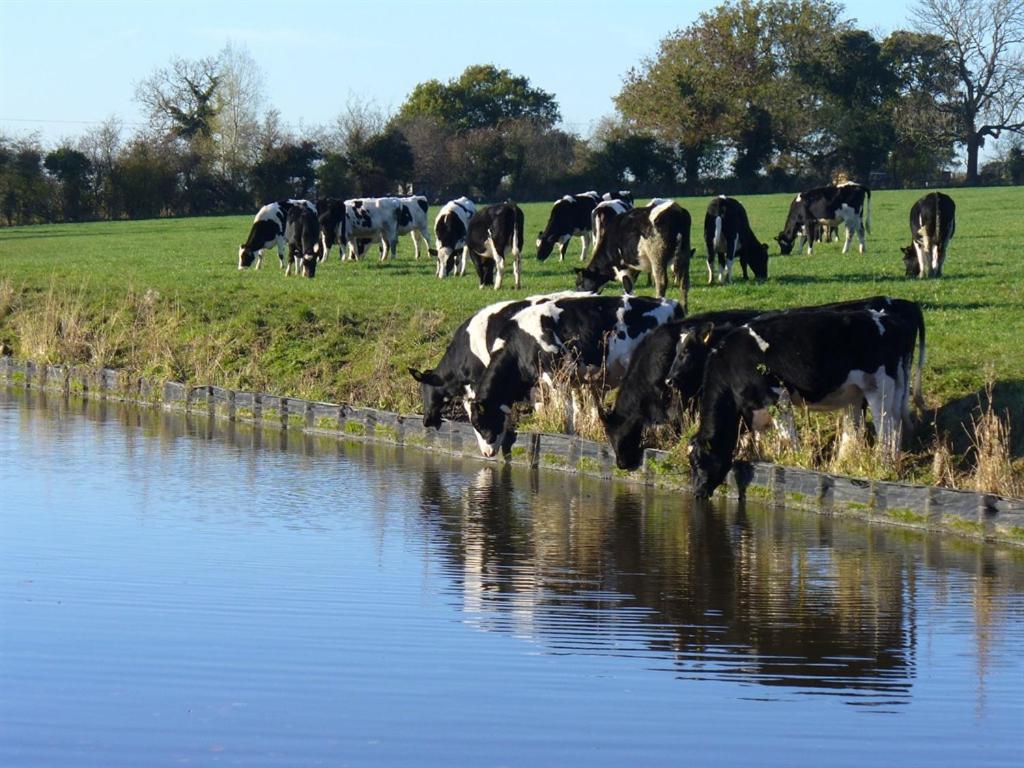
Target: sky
x,y
66,66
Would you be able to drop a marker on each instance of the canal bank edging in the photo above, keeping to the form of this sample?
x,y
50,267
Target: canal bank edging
x,y
965,513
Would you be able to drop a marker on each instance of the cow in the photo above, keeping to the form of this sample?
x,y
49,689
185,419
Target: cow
x,y
362,219
932,224
570,217
642,240
646,391
302,232
268,228
592,336
466,358
849,203
604,212
624,195
450,228
727,233
490,233
825,360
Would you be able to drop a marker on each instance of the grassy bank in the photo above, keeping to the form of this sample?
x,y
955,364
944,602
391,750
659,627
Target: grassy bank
x,y
163,298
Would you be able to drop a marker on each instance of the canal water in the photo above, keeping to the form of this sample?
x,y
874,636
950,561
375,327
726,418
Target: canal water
x,y
177,591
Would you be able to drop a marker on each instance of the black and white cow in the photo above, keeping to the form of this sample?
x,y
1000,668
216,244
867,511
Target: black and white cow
x,y
413,221
624,195
594,336
268,228
849,203
642,240
493,231
570,217
354,223
604,212
647,392
727,234
302,232
450,229
464,361
825,360
932,224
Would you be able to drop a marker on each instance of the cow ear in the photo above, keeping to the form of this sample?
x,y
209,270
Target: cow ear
x,y
426,377
704,333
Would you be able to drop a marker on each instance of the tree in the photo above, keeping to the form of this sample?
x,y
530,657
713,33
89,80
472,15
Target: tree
x,y
986,38
73,171
102,146
180,98
237,103
483,96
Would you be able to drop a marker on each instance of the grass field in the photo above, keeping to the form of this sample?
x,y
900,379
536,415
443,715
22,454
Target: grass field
x,y
164,298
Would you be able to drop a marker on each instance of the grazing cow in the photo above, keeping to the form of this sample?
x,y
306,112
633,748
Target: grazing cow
x,y
604,212
450,228
826,360
848,203
363,219
302,231
412,221
932,224
727,233
466,357
624,195
569,218
268,228
646,391
591,336
491,232
642,240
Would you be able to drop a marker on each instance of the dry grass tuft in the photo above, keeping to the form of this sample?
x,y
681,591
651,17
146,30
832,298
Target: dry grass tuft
x,y
991,447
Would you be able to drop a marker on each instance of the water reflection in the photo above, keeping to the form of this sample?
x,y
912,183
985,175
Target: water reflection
x,y
751,595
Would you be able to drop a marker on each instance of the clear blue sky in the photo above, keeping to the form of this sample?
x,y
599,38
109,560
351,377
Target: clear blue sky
x,y
67,65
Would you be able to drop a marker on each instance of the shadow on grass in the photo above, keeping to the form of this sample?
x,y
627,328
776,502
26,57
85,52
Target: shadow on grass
x,y
954,421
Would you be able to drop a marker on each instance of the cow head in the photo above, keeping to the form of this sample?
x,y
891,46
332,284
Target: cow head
x,y
785,241
708,467
246,256
687,371
590,280
490,424
432,390
910,261
545,244
308,264
757,260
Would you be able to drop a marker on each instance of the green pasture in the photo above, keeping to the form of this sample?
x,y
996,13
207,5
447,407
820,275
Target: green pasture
x,y
164,298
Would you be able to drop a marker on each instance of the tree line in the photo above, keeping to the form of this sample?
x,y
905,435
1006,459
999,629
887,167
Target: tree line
x,y
754,96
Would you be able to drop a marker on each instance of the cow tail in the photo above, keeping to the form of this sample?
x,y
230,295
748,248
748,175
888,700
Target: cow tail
x,y
719,242
517,233
867,216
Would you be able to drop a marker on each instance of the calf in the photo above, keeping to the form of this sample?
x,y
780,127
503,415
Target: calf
x,y
302,231
646,391
849,203
363,219
491,232
604,212
824,359
450,228
727,234
466,358
642,240
932,224
569,218
268,228
594,336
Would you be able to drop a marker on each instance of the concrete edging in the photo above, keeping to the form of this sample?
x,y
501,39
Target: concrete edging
x,y
965,513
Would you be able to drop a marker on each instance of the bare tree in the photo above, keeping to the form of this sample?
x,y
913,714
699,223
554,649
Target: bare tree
x,y
987,42
238,103
180,98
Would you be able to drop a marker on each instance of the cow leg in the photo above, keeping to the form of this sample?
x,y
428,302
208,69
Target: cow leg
x,y
711,268
884,405
860,234
588,242
415,237
922,260
462,265
563,246
516,264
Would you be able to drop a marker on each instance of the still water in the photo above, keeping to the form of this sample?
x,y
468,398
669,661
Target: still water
x,y
179,592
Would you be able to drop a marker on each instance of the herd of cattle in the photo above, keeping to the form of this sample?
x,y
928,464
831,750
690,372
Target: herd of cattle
x,y
621,241
732,366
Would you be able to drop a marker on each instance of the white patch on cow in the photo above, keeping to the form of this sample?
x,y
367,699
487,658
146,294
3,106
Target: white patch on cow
x,y
761,343
529,321
622,344
659,209
877,317
798,198
498,344
477,331
488,450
